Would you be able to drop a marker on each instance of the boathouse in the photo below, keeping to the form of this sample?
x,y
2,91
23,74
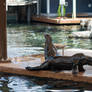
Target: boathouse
x,y
72,7
21,10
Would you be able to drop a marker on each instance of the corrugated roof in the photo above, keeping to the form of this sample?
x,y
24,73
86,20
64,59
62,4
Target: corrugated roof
x,y
20,2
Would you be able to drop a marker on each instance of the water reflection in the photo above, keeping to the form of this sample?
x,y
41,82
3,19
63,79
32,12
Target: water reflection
x,y
25,40
68,91
31,84
19,84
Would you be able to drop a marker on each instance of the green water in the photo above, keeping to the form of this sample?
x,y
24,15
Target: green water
x,y
29,39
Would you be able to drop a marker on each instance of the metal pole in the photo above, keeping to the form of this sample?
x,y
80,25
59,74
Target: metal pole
x,y
3,36
48,7
38,7
74,9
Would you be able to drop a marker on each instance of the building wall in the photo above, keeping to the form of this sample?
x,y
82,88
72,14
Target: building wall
x,y
54,6
82,6
43,6
69,7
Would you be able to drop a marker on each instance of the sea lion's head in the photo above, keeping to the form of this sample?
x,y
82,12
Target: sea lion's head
x,y
47,37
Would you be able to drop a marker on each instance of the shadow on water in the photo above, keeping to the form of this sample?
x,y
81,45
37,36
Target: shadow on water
x,y
12,83
29,39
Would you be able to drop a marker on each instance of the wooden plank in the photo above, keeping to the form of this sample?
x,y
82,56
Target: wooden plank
x,y
56,20
16,69
19,63
43,19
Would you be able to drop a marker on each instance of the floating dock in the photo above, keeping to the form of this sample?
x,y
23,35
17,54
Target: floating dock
x,y
18,64
57,20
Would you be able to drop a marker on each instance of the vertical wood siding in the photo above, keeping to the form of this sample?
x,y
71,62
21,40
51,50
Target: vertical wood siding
x,y
43,6
54,6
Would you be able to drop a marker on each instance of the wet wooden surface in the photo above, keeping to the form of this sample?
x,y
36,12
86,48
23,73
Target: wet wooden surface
x,y
56,20
18,64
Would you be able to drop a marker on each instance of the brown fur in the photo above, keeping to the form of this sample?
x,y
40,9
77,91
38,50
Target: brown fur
x,y
53,62
50,49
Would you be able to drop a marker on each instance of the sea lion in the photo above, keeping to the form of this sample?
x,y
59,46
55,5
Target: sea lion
x,y
59,63
50,49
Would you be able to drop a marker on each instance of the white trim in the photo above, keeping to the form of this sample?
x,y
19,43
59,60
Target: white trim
x,y
38,12
74,9
48,7
51,14
20,3
62,2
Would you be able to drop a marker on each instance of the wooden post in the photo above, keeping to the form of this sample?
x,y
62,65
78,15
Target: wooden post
x,y
3,36
74,9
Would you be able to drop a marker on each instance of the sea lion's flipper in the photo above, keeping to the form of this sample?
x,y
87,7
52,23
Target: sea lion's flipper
x,y
80,68
43,66
32,68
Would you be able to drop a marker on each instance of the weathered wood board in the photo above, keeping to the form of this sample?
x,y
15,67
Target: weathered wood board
x,y
18,64
56,20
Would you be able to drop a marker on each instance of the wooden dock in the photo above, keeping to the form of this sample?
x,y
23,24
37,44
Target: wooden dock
x,y
59,21
56,20
18,64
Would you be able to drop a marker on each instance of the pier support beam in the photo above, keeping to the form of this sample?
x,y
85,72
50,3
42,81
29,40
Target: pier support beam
x,y
3,35
74,9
